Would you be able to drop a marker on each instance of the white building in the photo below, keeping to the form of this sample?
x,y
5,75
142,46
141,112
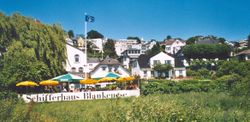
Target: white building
x,y
129,56
124,44
107,66
172,46
145,64
98,44
76,61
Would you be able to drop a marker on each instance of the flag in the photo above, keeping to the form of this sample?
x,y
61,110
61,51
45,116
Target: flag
x,y
89,18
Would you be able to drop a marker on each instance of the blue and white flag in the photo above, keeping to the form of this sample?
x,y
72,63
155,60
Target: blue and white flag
x,y
89,18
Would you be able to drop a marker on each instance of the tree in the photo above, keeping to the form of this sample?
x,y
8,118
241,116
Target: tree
x,y
162,68
169,37
138,40
193,40
109,49
71,34
248,41
208,51
222,40
30,49
93,34
155,49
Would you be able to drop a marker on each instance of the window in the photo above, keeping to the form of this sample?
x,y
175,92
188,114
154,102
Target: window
x,y
73,69
180,72
116,68
156,62
76,58
145,73
80,69
167,61
91,65
110,68
104,68
168,48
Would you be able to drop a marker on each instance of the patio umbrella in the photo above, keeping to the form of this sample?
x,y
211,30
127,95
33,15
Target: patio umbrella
x,y
109,77
27,83
130,78
106,79
88,81
124,79
49,83
121,79
68,78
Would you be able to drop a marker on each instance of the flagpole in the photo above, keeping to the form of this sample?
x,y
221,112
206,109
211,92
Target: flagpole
x,y
85,36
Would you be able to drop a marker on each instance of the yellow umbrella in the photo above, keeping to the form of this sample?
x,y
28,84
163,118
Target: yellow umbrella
x,y
27,83
106,79
130,78
49,83
122,79
88,81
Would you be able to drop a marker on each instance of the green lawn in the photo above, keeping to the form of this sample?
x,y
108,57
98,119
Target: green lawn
x,y
168,107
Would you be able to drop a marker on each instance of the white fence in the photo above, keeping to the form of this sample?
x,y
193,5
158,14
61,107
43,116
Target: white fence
x,y
71,96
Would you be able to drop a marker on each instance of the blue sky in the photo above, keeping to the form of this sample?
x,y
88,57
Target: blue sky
x,y
150,19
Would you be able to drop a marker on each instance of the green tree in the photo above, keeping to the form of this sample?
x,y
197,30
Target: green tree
x,y
42,46
222,40
93,34
208,51
155,49
138,40
192,40
109,49
71,34
162,68
169,37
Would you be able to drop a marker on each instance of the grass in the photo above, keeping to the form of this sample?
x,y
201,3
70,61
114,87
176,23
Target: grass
x,y
167,107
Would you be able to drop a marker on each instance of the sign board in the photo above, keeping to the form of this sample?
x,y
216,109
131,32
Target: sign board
x,y
87,95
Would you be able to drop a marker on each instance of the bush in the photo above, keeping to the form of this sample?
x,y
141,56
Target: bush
x,y
172,87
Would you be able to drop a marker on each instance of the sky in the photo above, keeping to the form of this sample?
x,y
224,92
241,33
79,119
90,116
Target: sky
x,y
147,19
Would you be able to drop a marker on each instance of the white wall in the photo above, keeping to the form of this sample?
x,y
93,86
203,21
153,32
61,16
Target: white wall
x,y
98,43
70,61
177,72
162,57
175,47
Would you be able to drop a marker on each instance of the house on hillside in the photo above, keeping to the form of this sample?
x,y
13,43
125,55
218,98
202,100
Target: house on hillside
x,y
144,66
129,56
244,55
124,44
76,61
172,46
109,65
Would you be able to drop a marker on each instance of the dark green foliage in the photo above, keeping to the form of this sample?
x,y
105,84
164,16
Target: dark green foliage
x,y
173,87
31,50
222,40
138,40
192,40
155,49
109,49
162,68
233,67
93,34
71,34
169,37
208,51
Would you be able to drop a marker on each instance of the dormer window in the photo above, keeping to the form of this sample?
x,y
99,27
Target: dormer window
x,y
76,58
80,69
73,69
